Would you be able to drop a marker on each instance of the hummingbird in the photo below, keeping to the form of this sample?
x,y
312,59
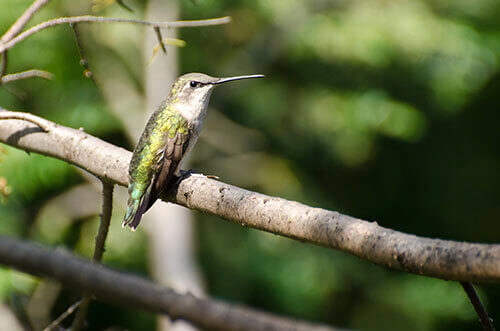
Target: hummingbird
x,y
169,136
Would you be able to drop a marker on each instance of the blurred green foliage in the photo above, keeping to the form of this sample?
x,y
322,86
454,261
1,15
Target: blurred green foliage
x,y
385,110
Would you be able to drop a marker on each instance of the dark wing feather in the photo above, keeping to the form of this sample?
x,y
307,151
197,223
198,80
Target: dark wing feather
x,y
172,155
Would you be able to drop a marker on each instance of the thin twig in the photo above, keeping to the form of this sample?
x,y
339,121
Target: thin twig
x,y
100,240
40,122
481,312
100,19
27,74
63,316
3,68
160,39
22,20
107,207
83,59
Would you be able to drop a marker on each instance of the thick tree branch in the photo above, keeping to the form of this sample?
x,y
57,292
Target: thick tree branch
x,y
99,19
444,259
131,291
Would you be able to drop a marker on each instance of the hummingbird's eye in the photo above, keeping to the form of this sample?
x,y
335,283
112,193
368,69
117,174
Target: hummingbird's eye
x,y
193,83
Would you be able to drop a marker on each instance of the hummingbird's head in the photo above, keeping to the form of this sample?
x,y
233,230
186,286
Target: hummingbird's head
x,y
191,92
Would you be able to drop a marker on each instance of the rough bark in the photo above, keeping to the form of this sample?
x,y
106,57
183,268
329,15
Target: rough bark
x,y
444,259
131,291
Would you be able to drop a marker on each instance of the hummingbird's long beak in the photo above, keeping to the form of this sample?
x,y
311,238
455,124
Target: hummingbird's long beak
x,y
230,79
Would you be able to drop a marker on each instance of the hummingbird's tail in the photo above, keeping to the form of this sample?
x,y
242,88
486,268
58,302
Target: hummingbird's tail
x,y
137,205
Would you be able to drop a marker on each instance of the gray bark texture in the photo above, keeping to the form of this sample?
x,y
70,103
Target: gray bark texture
x,y
134,292
444,259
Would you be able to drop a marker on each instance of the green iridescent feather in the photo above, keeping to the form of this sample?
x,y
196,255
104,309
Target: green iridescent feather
x,y
155,159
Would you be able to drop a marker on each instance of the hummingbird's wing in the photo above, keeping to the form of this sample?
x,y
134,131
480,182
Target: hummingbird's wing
x,y
169,161
148,181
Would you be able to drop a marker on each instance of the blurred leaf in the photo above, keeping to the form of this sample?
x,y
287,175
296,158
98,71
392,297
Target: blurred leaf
x,y
99,5
454,60
15,281
349,122
33,175
424,300
166,41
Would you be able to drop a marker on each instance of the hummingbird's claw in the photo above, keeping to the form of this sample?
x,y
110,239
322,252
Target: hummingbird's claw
x,y
187,173
183,175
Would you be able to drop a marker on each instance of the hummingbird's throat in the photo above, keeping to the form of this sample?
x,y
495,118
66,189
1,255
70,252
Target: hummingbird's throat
x,y
194,107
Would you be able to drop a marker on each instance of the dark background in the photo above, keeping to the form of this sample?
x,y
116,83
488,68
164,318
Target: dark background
x,y
383,110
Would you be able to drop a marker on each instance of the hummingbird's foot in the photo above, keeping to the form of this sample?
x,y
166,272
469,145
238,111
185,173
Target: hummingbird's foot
x,y
183,175
187,173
